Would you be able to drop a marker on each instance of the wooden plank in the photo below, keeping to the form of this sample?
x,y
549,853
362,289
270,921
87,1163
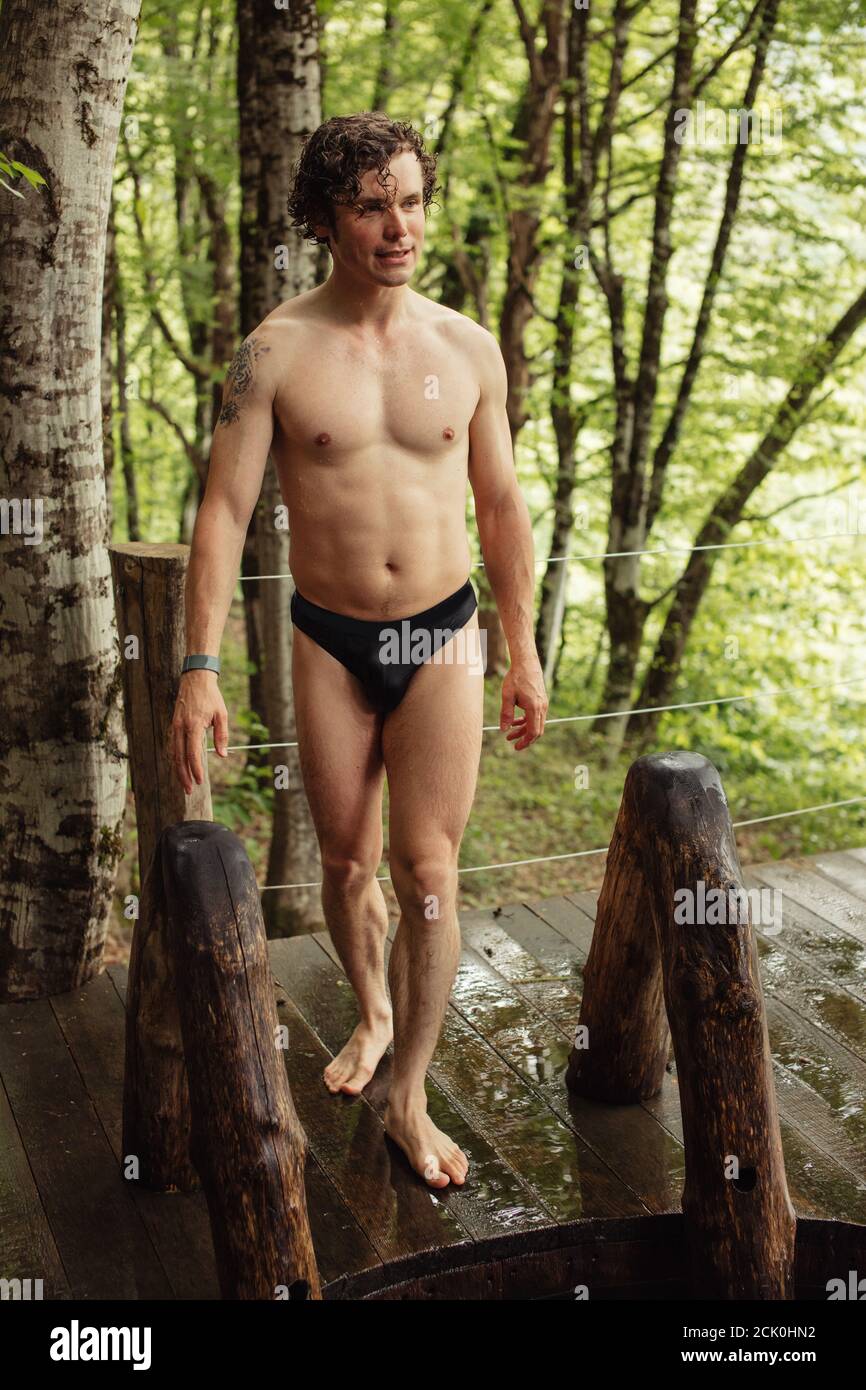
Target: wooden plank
x,y
340,1244
647,1158
103,1243
843,869
817,893
92,1020
515,1116
812,995
27,1246
817,1185
552,982
825,1085
826,952
333,1013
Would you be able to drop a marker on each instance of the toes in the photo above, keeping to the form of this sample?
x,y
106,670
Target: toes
x,y
455,1170
433,1173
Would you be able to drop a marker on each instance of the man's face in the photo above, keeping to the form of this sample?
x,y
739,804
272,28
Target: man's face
x,y
379,237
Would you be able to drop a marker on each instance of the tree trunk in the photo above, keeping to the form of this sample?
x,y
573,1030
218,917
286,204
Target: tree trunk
x,y
61,732
566,420
123,397
107,369
532,126
279,82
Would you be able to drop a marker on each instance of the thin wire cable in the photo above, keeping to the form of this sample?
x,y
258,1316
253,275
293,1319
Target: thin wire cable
x,y
585,853
614,714
622,554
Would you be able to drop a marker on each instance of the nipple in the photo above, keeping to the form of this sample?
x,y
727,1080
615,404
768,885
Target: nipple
x,y
447,433
323,438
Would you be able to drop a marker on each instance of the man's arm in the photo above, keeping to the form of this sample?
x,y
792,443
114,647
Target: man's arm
x,y
505,532
239,454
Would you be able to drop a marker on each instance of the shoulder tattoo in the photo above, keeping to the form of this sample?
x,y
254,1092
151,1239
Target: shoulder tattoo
x,y
239,378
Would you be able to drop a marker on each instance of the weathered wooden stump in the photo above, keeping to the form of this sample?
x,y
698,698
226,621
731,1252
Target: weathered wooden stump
x,y
246,1140
673,944
149,603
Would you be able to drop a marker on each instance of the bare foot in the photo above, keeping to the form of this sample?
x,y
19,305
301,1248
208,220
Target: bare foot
x,y
352,1068
431,1153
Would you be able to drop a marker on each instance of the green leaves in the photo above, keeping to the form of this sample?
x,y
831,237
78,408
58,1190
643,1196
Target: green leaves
x,y
14,169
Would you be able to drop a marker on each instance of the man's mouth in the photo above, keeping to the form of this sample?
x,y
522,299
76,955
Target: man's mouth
x,y
395,256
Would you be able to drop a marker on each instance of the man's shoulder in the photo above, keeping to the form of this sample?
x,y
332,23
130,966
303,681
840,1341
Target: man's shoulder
x,y
284,321
464,332
279,334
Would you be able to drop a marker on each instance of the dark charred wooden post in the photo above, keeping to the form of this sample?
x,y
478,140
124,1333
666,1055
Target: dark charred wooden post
x,y
149,603
673,930
246,1140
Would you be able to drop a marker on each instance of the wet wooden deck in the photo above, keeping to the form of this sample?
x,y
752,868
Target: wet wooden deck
x,y
540,1158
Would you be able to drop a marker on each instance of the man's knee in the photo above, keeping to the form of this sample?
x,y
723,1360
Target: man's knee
x,y
426,882
349,871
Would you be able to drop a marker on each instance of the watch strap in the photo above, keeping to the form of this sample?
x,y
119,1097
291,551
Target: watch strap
x,y
198,662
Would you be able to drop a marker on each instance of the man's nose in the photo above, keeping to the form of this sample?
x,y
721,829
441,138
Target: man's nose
x,y
395,222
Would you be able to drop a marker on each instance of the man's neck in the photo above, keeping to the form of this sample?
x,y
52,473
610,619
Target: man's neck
x,y
363,305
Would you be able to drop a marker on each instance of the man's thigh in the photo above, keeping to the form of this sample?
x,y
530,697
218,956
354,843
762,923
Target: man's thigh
x,y
432,747
339,750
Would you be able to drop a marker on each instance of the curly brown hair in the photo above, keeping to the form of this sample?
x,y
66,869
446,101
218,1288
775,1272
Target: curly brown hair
x,y
335,157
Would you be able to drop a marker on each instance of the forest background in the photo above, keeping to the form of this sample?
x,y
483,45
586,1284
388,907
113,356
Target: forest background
x,y
658,209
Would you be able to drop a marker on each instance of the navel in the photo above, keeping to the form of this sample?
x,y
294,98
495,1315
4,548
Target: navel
x,y
323,438
447,433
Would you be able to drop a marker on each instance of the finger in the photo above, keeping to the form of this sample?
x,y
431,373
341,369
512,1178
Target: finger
x,y
221,732
531,730
506,717
192,742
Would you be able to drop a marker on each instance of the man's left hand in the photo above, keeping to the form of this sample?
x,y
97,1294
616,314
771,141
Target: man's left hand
x,y
523,686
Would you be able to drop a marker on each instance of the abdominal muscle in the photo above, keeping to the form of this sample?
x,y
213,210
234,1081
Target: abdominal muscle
x,y
377,543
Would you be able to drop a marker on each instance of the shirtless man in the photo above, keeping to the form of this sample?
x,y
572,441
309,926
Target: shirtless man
x,y
376,404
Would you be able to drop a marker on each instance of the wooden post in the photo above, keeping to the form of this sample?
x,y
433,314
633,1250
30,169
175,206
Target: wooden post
x,y
673,909
149,602
246,1140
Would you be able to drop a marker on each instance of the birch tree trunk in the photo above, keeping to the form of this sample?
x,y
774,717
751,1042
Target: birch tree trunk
x,y
62,747
279,95
107,370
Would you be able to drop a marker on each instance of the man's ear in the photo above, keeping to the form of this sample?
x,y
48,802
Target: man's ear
x,y
327,230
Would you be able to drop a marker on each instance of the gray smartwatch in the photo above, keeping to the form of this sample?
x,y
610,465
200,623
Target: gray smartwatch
x,y
200,663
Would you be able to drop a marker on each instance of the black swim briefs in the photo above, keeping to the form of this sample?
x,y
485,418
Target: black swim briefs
x,y
368,647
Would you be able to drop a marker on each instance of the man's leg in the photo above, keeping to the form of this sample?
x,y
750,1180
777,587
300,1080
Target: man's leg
x,y
340,755
432,747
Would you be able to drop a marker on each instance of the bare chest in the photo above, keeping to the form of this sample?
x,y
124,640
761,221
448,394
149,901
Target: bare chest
x,y
340,401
